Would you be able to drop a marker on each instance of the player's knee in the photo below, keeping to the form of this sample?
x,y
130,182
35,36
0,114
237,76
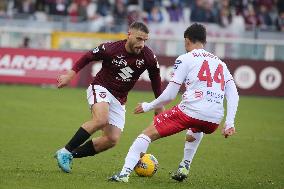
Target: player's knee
x,y
152,133
191,136
100,121
112,140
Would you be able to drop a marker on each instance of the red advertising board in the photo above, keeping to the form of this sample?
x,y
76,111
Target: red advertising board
x,y
31,66
43,66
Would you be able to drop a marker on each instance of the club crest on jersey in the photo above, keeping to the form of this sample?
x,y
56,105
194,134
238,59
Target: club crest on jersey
x,y
198,94
102,94
119,61
139,63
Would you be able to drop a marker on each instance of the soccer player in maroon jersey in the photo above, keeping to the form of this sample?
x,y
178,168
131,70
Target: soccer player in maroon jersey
x,y
122,64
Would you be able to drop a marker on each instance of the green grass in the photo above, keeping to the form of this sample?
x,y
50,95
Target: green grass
x,y
35,122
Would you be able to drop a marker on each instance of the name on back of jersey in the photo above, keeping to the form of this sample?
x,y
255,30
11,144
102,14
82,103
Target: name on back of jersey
x,y
205,54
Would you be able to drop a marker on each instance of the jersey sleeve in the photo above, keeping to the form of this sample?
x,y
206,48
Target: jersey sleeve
x,y
180,70
232,97
166,97
227,75
98,53
154,75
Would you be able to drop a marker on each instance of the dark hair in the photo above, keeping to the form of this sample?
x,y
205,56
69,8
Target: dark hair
x,y
139,26
196,33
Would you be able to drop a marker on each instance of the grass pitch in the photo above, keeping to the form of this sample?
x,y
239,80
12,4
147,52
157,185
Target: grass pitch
x,y
35,122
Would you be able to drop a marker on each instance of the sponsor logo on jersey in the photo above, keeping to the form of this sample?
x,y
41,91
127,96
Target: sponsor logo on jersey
x,y
139,63
126,73
177,63
119,61
214,97
121,56
102,94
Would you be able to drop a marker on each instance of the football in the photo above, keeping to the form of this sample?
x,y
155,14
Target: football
x,y
147,166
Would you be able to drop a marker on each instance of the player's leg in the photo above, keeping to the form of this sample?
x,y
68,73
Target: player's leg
x,y
109,139
99,120
111,131
193,139
192,142
140,145
100,110
167,123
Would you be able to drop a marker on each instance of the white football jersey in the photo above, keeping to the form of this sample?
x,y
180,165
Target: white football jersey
x,y
205,77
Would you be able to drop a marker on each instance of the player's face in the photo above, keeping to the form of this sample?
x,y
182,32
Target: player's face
x,y
187,44
136,41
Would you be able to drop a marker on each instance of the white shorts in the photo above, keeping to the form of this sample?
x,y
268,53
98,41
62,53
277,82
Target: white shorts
x,y
97,93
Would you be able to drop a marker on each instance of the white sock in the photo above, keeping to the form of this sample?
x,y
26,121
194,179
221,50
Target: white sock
x,y
190,148
139,145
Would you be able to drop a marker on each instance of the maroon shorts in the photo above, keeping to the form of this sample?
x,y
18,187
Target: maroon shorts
x,y
174,120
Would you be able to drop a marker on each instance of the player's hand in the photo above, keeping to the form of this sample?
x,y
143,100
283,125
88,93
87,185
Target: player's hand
x,y
64,79
138,109
226,132
159,110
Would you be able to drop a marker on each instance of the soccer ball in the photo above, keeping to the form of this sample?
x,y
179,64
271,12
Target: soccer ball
x,y
147,166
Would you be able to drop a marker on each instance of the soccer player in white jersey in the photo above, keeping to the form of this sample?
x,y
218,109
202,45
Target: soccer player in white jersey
x,y
208,81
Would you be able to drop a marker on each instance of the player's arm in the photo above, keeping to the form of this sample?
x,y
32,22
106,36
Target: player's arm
x,y
88,57
155,78
179,74
166,97
232,98
64,79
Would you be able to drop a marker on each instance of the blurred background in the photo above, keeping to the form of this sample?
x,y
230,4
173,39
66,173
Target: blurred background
x,y
247,34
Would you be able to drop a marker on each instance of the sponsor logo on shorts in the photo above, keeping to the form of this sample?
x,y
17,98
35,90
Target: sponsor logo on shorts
x,y
102,94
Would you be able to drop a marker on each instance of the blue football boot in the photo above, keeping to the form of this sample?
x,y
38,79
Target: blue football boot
x,y
64,160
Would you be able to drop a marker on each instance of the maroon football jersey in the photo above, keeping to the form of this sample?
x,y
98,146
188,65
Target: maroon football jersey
x,y
120,69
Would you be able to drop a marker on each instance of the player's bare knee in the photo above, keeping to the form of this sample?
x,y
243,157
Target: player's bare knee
x,y
191,136
113,140
100,121
152,133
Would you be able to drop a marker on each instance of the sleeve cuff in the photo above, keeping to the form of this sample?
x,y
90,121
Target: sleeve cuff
x,y
228,126
146,106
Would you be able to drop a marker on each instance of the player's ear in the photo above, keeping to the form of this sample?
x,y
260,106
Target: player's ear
x,y
188,42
